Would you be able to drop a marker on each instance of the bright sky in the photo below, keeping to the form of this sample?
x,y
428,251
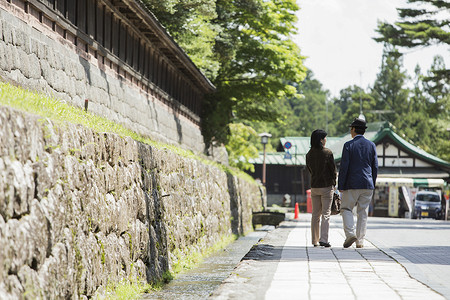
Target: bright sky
x,y
336,36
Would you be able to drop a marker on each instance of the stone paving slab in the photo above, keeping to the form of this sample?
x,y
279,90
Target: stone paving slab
x,y
306,272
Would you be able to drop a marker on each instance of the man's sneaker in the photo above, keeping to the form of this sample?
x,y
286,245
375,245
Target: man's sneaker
x,y
349,241
326,245
359,246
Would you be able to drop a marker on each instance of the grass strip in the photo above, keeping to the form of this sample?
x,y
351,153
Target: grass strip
x,y
61,112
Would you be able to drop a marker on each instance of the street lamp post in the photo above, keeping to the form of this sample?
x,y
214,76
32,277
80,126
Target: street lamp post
x,y
264,140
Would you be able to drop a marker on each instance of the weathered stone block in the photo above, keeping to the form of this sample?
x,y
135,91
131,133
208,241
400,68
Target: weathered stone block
x,y
1,29
7,33
4,64
34,67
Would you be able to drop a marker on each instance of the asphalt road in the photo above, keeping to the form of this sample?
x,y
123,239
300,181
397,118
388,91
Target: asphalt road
x,y
421,246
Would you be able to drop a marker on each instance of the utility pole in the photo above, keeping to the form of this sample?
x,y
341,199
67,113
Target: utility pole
x,y
361,115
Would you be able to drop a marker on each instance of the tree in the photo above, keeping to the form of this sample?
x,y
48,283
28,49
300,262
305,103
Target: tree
x,y
240,148
390,93
423,24
313,110
245,49
388,89
429,118
190,24
301,115
413,116
347,96
259,61
418,26
437,87
352,101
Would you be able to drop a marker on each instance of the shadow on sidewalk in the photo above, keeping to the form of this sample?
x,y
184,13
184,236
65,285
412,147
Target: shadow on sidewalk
x,y
266,252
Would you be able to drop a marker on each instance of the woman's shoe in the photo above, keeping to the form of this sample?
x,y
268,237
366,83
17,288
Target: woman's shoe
x,y
326,245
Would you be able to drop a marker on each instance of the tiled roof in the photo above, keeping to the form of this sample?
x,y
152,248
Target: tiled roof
x,y
420,152
279,158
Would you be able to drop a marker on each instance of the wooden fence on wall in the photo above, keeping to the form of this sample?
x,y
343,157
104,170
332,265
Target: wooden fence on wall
x,y
119,33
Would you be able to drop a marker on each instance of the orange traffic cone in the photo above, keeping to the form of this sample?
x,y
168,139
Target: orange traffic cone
x,y
296,211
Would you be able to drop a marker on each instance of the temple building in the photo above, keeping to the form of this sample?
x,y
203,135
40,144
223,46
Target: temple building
x,y
403,170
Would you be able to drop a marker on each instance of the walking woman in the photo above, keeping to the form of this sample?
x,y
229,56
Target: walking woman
x,y
320,163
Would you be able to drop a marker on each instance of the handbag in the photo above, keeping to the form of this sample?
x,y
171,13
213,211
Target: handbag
x,y
336,203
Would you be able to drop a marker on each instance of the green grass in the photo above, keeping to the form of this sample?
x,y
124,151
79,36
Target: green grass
x,y
126,290
194,258
60,112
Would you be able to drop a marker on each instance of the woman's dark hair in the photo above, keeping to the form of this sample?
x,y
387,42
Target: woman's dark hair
x,y
316,136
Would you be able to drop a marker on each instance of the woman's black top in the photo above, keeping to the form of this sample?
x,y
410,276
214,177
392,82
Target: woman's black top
x,y
320,163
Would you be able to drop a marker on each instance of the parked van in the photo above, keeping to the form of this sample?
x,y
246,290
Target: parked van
x,y
427,204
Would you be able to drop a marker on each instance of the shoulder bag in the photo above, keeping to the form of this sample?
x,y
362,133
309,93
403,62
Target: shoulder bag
x,y
336,203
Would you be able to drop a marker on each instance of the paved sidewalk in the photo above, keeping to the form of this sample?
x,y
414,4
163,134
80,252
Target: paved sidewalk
x,y
286,266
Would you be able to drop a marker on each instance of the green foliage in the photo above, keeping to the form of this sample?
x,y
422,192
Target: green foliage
x,y
190,24
430,117
416,115
406,114
102,252
424,116
245,49
419,25
186,262
127,290
388,89
438,91
441,144
301,114
58,111
240,148
314,110
420,114
423,23
352,100
258,58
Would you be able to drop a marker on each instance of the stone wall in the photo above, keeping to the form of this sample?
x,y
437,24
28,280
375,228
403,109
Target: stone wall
x,y
36,57
81,209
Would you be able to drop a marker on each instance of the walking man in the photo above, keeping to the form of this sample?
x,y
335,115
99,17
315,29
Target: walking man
x,y
356,182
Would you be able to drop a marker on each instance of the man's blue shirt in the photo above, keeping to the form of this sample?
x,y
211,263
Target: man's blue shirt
x,y
359,165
